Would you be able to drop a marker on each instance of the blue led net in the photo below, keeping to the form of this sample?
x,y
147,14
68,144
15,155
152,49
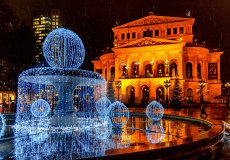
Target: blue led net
x,y
102,106
72,128
119,114
2,125
155,132
40,108
62,48
154,111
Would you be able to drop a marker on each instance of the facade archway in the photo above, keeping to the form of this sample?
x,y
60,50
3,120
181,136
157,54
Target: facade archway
x,y
189,95
188,70
198,71
135,69
160,70
173,69
112,73
130,94
145,95
160,94
148,70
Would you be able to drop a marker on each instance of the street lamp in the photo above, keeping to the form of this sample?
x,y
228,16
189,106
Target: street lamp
x,y
201,86
118,85
167,85
227,86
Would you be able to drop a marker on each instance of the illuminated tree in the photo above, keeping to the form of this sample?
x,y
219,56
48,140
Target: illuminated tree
x,y
176,98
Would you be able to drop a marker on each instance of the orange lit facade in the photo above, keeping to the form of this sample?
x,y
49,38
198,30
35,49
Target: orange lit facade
x,y
153,49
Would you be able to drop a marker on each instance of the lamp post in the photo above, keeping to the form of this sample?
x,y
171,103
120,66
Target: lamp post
x,y
201,86
118,85
227,86
167,85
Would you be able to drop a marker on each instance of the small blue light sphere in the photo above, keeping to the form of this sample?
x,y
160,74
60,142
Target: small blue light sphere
x,y
155,133
40,108
102,106
119,114
2,125
63,48
154,111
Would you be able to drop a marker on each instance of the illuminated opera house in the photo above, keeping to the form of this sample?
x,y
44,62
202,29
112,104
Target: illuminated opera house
x,y
152,53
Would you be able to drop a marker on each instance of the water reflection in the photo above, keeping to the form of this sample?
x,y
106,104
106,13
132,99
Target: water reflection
x,y
155,132
119,139
96,142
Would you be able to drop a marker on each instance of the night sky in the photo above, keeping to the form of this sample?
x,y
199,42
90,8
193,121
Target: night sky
x,y
211,25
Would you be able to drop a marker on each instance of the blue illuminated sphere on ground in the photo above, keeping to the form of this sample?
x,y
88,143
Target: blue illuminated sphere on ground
x,y
63,48
119,114
154,111
102,106
40,108
2,125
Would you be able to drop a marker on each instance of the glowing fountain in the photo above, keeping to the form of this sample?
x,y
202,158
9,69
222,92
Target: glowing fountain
x,y
56,104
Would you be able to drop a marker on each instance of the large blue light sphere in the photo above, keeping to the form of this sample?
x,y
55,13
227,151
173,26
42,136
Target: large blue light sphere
x,y
63,48
2,125
102,106
154,111
40,108
119,114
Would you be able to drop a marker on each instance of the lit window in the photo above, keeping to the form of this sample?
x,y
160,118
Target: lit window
x,y
156,32
128,35
168,31
182,30
122,36
174,30
134,35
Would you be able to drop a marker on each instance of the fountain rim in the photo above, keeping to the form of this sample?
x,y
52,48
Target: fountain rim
x,y
47,75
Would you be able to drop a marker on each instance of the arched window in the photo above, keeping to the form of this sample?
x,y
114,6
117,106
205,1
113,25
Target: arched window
x,y
132,96
135,69
148,70
160,94
189,70
198,71
189,95
173,69
124,71
112,73
160,70
145,95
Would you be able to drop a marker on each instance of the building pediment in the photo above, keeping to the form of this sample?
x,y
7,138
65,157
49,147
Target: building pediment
x,y
152,20
148,41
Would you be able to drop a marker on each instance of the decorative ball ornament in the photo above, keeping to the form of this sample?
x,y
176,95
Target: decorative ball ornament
x,y
102,106
155,133
63,48
2,125
40,108
154,111
119,114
